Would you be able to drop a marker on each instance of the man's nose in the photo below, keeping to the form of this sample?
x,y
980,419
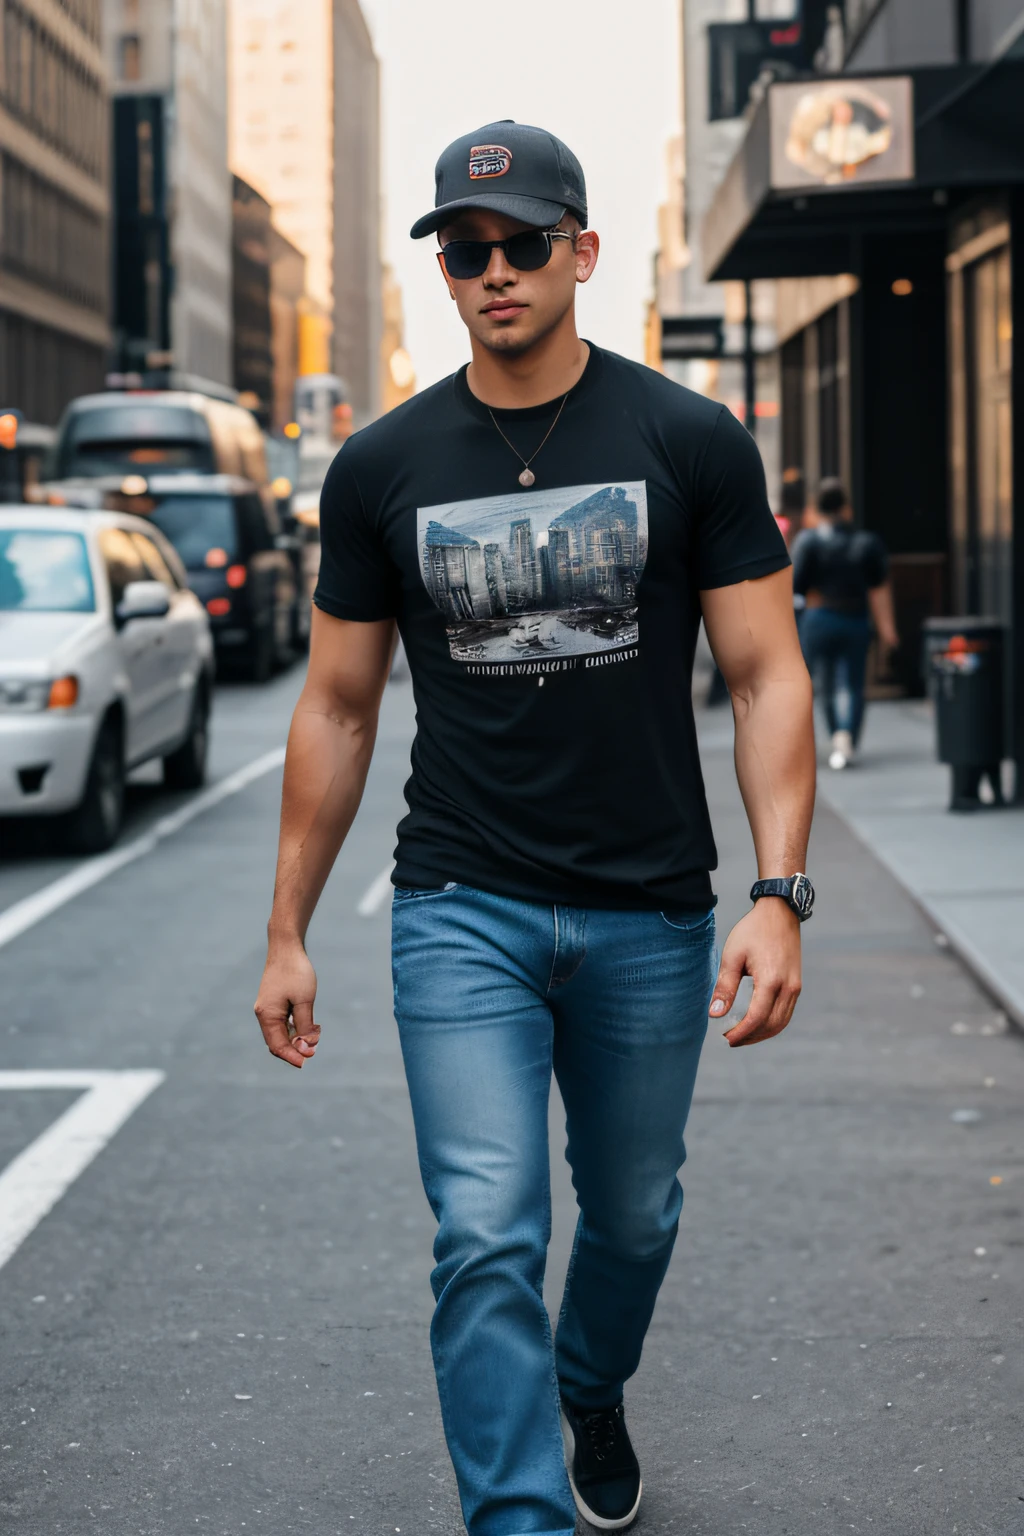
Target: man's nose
x,y
498,272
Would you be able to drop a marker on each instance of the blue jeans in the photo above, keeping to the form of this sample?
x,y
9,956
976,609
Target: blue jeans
x,y
835,648
491,995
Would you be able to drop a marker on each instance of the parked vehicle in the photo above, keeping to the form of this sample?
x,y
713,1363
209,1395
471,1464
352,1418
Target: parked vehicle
x,y
150,431
106,662
253,578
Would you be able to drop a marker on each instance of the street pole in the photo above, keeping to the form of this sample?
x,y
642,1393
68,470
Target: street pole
x,y
749,362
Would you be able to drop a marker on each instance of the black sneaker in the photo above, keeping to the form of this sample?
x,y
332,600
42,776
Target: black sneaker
x,y
603,1470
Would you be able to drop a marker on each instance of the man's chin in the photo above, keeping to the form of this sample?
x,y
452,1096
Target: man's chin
x,y
509,340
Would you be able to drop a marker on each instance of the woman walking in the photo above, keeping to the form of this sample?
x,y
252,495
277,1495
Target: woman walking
x,y
842,572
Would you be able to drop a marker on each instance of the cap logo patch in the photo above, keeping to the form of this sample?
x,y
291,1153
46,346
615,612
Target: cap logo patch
x,y
488,160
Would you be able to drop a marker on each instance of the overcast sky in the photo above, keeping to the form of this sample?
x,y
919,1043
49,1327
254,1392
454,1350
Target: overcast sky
x,y
602,75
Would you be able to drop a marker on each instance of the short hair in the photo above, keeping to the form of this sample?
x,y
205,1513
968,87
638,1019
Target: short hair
x,y
832,496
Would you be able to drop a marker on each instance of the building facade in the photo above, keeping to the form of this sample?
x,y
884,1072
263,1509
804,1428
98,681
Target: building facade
x,y
305,133
886,198
172,189
54,205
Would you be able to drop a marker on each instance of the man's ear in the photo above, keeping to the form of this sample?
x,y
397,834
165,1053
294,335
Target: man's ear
x,y
444,269
588,246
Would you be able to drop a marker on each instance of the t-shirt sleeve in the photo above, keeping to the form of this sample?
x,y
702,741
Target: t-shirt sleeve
x,y
357,578
738,539
876,563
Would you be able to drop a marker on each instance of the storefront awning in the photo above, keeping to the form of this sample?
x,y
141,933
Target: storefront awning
x,y
829,160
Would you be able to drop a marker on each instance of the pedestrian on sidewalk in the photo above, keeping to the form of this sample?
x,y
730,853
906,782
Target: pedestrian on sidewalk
x,y
546,529
842,573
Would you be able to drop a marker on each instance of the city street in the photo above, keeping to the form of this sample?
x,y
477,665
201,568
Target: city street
x,y
221,1324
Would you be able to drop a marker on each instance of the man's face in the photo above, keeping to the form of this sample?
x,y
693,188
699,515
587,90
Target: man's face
x,y
509,311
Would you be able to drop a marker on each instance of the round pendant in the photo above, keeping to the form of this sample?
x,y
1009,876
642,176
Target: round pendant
x,y
527,477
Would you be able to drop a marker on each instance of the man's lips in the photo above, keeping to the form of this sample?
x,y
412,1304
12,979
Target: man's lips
x,y
504,309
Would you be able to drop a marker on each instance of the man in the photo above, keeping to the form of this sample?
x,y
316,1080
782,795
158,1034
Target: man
x,y
842,573
546,528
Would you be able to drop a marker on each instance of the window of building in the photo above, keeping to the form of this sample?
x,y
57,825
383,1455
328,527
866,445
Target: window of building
x,y
130,57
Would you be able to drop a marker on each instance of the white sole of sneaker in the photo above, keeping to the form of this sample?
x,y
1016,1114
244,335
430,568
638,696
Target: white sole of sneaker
x,y
597,1521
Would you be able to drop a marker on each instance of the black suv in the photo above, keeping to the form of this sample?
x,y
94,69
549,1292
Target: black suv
x,y
243,566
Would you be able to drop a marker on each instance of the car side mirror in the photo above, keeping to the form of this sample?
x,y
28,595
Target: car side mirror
x,y
142,600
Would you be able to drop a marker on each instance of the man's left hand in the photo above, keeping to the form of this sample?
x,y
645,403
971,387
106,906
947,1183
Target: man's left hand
x,y
765,945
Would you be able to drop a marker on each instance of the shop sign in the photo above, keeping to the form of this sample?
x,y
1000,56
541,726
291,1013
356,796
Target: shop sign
x,y
841,133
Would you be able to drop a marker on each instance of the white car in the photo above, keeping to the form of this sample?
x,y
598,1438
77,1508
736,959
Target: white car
x,y
106,662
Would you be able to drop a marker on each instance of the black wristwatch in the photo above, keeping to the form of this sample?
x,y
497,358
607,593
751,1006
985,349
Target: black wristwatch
x,y
797,892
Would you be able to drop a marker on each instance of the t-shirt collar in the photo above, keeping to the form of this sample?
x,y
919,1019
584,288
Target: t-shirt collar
x,y
583,386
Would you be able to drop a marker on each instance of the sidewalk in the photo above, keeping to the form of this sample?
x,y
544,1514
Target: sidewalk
x,y
966,871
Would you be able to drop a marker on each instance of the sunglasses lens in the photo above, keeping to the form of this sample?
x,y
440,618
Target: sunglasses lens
x,y
529,251
466,258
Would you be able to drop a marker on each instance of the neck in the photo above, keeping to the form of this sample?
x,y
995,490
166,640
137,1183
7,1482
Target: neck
x,y
550,368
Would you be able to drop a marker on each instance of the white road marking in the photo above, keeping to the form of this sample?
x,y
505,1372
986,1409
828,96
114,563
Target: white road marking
x,y
374,896
25,914
31,1185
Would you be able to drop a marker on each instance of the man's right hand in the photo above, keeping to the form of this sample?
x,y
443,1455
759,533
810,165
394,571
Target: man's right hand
x,y
284,1006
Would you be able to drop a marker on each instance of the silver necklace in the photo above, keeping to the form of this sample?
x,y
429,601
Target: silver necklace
x,y
527,476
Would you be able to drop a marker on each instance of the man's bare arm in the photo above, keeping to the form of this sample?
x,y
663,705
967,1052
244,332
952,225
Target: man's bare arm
x,y
753,636
329,749
881,605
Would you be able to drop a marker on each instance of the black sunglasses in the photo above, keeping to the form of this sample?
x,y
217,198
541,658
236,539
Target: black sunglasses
x,y
527,252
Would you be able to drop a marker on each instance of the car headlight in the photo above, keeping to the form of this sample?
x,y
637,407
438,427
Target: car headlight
x,y
26,696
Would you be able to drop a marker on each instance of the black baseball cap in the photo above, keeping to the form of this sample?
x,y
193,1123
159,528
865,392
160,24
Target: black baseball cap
x,y
507,167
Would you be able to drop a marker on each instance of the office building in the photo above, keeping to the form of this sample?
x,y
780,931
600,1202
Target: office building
x,y
54,207
305,131
886,197
172,190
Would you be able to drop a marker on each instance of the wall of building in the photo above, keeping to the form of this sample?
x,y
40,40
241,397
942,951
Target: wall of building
x,y
899,33
253,363
287,296
201,228
173,54
281,139
54,205
905,32
357,256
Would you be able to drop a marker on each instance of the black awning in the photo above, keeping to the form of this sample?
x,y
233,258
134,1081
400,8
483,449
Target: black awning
x,y
900,145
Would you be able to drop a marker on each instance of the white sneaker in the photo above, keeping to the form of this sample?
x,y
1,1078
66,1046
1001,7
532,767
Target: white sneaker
x,y
842,754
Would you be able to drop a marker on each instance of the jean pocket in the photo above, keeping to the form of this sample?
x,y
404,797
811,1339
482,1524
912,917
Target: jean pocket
x,y
411,893
687,920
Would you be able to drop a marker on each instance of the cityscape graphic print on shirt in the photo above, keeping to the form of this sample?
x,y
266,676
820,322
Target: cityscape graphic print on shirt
x,y
541,581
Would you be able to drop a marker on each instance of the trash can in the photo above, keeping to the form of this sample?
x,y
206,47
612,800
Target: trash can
x,y
964,663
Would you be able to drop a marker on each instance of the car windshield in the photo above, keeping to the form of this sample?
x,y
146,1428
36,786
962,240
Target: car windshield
x,y
201,528
44,571
92,460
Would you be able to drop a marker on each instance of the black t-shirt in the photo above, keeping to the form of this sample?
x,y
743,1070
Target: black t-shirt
x,y
550,632
842,564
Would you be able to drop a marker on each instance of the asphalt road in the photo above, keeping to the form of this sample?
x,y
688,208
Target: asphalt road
x,y
221,1325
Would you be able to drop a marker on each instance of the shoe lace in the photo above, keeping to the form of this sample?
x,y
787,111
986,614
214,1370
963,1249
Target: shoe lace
x,y
602,1431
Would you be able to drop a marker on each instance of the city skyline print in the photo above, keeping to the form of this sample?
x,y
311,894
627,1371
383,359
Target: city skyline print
x,y
538,581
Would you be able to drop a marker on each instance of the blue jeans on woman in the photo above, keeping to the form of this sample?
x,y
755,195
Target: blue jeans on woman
x,y
492,995
835,647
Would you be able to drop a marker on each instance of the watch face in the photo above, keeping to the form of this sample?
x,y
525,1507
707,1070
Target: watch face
x,y
803,897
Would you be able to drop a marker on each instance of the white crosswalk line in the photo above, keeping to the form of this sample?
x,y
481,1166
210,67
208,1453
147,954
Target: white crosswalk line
x,y
375,895
31,1185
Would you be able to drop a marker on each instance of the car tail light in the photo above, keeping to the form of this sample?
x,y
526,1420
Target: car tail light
x,y
235,575
217,607
63,693
216,559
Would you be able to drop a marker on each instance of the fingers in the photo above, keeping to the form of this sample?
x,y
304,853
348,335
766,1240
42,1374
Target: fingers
x,y
730,974
307,1034
771,1008
276,1034
289,1030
